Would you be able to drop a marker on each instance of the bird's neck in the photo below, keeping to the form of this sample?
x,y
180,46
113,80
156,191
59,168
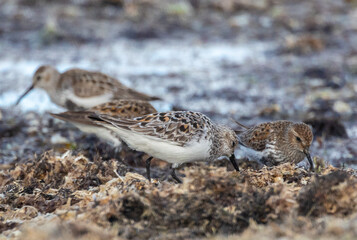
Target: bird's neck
x,y
217,140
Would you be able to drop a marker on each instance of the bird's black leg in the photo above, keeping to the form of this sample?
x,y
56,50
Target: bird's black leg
x,y
148,161
233,161
174,176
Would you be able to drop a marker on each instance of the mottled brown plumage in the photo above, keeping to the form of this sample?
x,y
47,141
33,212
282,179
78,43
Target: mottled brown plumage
x,y
176,137
124,109
176,127
277,142
78,89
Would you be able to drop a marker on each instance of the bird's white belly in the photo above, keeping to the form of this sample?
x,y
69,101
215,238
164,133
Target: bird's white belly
x,y
89,102
61,98
195,151
251,154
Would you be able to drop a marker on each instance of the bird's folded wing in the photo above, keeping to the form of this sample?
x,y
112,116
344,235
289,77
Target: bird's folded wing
x,y
256,137
89,84
125,108
159,127
81,117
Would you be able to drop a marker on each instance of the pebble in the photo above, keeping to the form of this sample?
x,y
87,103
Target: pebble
x,y
58,139
342,107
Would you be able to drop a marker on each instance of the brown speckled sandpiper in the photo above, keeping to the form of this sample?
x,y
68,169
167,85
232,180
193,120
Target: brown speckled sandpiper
x,y
78,89
176,137
277,142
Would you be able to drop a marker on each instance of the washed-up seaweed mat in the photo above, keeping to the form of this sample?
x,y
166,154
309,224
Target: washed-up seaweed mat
x,y
71,197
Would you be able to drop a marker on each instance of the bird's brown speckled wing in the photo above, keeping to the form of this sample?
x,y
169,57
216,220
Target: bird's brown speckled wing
x,y
256,137
89,84
117,108
124,108
178,127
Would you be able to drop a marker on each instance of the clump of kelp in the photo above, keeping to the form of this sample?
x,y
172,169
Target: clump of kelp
x,y
72,197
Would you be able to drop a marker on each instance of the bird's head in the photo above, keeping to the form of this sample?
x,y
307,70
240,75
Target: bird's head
x,y
45,77
300,138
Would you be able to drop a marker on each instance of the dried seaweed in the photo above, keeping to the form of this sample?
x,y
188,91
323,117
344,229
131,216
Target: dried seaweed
x,y
334,193
212,200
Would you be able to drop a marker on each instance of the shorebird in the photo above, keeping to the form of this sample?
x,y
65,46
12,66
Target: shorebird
x,y
276,142
117,108
78,89
176,137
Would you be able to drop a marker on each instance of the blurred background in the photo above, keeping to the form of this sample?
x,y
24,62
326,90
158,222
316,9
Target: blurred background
x,y
253,61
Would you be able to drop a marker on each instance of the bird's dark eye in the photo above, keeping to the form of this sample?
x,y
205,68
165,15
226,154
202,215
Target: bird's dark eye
x,y
233,144
38,78
298,139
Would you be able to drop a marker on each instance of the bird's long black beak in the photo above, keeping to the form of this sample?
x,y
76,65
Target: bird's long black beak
x,y
23,95
310,160
233,161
